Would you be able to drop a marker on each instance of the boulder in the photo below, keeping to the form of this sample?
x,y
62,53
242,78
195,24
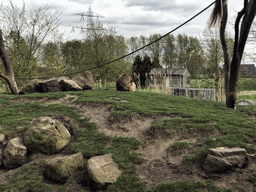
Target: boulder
x,y
61,168
50,85
223,159
30,87
14,153
102,171
84,80
124,83
46,135
69,85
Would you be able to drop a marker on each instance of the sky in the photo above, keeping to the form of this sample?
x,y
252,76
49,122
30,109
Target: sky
x,y
133,17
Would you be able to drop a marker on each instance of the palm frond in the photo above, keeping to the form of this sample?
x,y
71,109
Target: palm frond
x,y
216,15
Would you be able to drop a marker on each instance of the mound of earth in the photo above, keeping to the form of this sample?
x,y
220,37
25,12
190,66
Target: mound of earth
x,y
163,163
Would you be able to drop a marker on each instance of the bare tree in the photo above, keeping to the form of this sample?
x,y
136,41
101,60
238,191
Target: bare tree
x,y
34,27
220,15
9,76
30,29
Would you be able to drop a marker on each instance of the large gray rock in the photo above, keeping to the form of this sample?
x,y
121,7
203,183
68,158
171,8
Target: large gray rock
x,y
246,102
14,153
46,135
50,85
62,167
84,80
124,83
103,171
30,87
69,85
223,159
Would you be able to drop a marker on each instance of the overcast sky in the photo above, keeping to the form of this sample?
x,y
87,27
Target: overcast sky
x,y
134,17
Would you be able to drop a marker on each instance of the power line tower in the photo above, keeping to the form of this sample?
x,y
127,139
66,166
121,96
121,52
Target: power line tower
x,y
90,21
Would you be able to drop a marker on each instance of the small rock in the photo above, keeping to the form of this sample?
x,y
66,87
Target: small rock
x,y
103,171
14,153
62,167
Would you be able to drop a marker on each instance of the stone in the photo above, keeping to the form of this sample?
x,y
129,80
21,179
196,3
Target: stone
x,y
30,87
46,135
14,153
69,85
103,171
50,85
84,80
246,102
223,159
61,168
124,83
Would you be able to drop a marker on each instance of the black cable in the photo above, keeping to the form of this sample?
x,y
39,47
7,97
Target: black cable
x,y
128,53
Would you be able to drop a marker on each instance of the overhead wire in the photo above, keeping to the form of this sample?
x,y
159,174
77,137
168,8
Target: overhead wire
x,y
68,74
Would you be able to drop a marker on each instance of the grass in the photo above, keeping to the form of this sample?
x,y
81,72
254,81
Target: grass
x,y
237,128
26,179
16,117
180,145
91,143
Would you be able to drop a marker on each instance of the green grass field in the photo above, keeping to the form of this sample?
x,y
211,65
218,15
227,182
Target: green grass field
x,y
237,129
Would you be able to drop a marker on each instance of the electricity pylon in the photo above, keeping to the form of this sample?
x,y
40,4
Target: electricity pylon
x,y
90,15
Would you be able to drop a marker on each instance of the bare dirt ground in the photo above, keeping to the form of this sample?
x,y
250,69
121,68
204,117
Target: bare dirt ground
x,y
162,164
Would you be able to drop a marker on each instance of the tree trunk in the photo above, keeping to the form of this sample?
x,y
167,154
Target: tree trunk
x,y
9,76
248,14
224,46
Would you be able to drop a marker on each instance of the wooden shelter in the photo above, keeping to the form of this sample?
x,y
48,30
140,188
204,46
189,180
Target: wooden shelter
x,y
164,77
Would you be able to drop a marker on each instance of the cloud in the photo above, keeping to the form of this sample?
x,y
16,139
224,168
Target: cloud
x,y
84,2
163,5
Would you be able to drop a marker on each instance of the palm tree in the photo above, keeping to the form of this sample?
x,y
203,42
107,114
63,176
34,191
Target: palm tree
x,y
219,16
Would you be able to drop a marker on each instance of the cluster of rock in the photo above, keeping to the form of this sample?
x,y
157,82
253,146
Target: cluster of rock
x,y
47,135
82,81
125,83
